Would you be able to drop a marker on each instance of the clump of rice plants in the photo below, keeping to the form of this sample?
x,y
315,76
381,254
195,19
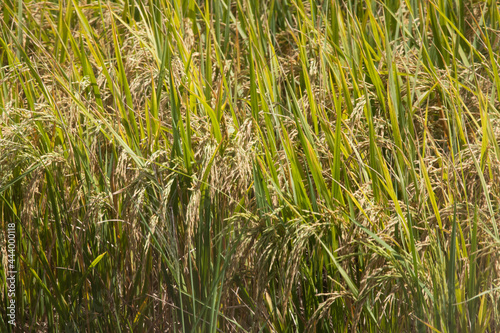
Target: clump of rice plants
x,y
250,165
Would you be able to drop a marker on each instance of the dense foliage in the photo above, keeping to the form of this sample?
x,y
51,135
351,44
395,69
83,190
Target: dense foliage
x,y
251,165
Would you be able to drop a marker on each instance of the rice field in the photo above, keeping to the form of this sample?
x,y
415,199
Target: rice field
x,y
250,166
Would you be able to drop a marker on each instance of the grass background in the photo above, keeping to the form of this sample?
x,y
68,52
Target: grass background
x,y
251,165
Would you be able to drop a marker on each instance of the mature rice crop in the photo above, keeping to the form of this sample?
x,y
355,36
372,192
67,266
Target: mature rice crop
x,y
250,165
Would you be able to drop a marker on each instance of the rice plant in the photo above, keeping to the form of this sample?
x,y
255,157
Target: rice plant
x,y
250,165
